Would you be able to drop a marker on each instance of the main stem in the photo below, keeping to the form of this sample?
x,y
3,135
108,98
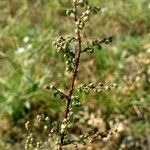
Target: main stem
x,y
74,75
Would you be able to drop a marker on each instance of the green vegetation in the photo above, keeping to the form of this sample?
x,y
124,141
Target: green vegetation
x,y
28,61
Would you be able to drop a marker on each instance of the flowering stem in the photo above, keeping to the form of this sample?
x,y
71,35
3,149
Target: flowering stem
x,y
74,75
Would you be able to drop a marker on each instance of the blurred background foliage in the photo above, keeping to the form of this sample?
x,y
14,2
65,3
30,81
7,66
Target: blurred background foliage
x,y
28,62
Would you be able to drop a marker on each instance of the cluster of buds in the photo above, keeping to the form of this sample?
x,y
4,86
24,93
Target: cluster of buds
x,y
65,125
39,122
56,92
82,3
65,46
80,23
27,125
70,12
96,9
39,118
60,43
75,105
51,130
69,60
84,16
82,139
102,135
29,142
97,44
39,145
75,102
96,88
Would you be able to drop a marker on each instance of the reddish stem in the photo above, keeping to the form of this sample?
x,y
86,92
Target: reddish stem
x,y
74,75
